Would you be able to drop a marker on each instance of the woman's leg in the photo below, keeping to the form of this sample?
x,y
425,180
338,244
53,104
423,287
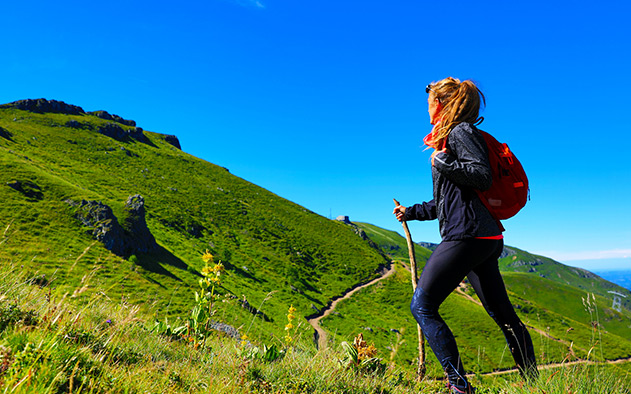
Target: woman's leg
x,y
445,269
489,286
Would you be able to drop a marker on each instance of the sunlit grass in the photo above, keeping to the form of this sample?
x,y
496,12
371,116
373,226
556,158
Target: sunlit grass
x,y
53,343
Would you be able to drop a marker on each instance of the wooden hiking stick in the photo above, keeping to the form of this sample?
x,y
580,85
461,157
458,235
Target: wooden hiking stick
x,y
420,372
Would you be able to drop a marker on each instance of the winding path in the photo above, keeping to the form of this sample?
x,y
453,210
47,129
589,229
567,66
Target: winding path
x,y
320,336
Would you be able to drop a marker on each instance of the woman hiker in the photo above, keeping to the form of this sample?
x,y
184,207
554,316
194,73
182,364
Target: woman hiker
x,y
471,238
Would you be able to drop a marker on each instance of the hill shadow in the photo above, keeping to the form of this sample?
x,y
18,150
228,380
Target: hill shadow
x,y
156,260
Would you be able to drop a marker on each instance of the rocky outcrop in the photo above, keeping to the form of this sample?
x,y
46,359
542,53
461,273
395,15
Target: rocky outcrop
x,y
105,228
521,263
507,251
42,105
129,237
107,116
137,134
171,139
135,224
119,133
362,234
111,129
427,245
76,124
583,273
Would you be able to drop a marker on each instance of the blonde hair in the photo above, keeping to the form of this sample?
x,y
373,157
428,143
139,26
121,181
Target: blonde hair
x,y
460,103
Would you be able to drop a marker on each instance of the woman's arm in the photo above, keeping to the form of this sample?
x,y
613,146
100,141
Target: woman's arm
x,y
424,211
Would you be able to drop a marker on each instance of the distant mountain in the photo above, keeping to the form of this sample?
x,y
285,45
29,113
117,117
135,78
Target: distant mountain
x,y
520,261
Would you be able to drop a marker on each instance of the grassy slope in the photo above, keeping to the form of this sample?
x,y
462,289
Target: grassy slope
x,y
268,244
393,244
554,311
521,261
54,345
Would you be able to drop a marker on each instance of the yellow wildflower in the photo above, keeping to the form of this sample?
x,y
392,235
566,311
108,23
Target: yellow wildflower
x,y
289,326
366,352
206,271
207,256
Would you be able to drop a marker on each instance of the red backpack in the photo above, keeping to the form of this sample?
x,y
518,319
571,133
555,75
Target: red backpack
x,y
509,191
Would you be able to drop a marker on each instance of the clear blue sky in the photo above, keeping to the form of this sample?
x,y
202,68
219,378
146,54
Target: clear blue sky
x,y
323,102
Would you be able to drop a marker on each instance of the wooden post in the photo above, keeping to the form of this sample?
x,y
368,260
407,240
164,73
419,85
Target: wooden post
x,y
420,372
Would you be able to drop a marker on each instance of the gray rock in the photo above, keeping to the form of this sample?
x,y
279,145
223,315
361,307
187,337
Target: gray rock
x,y
137,134
74,124
105,227
173,140
119,133
42,105
113,130
123,239
520,263
135,224
507,252
107,116
427,245
226,329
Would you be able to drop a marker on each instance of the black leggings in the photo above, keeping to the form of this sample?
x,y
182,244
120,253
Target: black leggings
x,y
445,269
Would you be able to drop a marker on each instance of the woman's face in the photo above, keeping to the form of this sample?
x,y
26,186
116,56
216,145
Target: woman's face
x,y
433,107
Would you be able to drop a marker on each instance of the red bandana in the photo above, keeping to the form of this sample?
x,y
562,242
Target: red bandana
x,y
429,138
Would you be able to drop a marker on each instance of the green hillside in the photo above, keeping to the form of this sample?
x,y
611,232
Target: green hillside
x,y
394,244
566,320
520,261
276,253
64,168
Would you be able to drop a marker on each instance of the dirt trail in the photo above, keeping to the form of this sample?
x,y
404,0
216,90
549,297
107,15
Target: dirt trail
x,y
557,365
319,336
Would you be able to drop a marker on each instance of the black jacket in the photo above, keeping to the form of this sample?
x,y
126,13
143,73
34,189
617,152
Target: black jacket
x,y
456,176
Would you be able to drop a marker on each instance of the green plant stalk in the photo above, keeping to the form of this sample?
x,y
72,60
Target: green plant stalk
x,y
210,311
